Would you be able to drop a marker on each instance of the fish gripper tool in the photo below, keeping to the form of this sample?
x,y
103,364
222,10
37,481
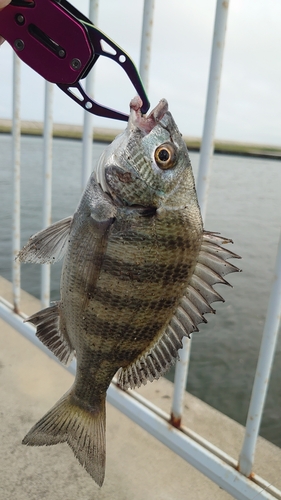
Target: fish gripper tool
x,y
62,45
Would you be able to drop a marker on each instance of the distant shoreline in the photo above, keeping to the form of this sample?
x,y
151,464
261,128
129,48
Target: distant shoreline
x,y
107,135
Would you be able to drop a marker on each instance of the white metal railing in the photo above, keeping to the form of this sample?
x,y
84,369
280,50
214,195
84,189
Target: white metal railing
x,y
234,475
47,185
204,173
16,182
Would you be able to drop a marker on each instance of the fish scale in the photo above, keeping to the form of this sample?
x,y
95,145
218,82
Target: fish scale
x,y
137,277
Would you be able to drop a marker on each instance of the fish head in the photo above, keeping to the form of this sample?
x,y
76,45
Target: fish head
x,y
148,164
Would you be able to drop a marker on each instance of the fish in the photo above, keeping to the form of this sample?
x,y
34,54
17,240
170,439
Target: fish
x,y
137,277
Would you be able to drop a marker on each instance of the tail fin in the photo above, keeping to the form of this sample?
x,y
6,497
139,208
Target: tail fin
x,y
82,428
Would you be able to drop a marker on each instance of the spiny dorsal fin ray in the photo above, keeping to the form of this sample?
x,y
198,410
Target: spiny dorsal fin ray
x,y
192,310
47,246
214,237
185,320
215,249
215,263
52,334
210,268
207,291
198,300
208,275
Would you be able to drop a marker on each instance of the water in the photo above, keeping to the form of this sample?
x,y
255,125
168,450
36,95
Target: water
x,y
244,204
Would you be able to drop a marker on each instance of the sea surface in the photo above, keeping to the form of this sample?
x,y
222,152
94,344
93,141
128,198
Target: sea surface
x,y
244,204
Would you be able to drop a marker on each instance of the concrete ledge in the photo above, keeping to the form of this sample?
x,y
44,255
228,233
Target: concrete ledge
x,y
138,466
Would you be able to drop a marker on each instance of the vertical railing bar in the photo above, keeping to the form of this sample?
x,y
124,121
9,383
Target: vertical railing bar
x,y
264,365
206,153
47,184
207,145
180,380
16,132
87,142
146,38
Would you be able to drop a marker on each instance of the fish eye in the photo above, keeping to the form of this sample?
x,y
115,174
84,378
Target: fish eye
x,y
165,156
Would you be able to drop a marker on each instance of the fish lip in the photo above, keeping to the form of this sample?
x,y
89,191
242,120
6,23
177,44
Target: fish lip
x,y
143,122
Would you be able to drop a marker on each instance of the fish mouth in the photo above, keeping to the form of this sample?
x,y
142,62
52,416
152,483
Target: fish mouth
x,y
143,122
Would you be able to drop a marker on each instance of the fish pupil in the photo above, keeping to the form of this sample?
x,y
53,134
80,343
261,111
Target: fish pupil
x,y
164,155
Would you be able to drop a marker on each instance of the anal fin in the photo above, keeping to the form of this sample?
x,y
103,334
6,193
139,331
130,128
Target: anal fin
x,y
51,333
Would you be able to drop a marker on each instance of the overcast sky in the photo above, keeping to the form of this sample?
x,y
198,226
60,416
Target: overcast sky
x,y
250,96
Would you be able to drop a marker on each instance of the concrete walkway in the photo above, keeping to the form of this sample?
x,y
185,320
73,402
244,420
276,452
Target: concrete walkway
x,y
138,466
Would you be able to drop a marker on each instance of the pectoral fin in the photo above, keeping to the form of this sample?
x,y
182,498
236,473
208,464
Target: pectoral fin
x,y
48,245
52,333
210,268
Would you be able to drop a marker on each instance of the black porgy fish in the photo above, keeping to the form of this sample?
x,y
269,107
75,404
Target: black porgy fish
x,y
138,276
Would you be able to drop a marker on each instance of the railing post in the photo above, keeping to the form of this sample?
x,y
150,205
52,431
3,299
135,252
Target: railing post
x,y
47,184
87,143
207,145
266,355
206,153
147,25
16,131
180,380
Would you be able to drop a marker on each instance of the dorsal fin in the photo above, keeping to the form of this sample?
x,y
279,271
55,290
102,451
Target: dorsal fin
x,y
210,268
